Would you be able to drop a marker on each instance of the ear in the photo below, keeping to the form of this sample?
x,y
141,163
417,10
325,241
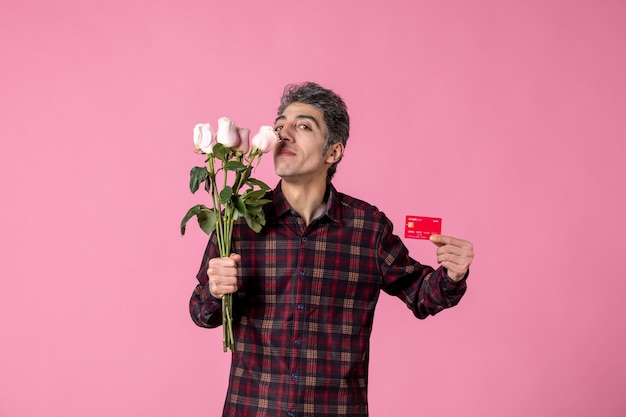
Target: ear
x,y
335,152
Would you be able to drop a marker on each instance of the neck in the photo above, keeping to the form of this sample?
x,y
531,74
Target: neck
x,y
306,199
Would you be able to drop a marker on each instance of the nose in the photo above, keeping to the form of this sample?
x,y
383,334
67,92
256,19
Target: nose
x,y
283,135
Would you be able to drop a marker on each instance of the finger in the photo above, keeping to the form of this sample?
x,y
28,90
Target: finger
x,y
448,258
217,270
229,261
435,239
463,253
222,276
451,249
440,240
224,266
218,290
456,263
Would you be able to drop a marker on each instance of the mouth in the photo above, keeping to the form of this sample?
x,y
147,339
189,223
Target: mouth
x,y
282,150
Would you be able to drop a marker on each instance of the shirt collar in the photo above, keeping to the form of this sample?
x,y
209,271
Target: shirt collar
x,y
333,203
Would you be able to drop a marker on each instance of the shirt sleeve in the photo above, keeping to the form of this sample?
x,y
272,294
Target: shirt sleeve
x,y
206,310
426,291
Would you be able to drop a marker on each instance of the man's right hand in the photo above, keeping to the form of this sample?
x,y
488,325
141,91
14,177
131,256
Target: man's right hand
x,y
222,274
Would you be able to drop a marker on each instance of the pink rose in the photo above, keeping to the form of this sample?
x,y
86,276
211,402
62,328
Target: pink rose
x,y
204,138
265,139
227,133
244,143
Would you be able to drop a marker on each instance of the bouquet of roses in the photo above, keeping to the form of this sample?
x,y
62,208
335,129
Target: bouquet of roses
x,y
230,158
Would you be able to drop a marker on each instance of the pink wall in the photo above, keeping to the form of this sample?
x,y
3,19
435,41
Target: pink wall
x,y
506,118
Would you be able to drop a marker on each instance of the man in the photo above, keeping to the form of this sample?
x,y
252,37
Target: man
x,y
306,286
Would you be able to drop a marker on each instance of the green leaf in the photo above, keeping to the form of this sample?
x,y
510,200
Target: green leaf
x,y
253,209
234,166
253,195
257,201
221,152
194,211
258,183
255,221
226,194
240,205
207,220
196,177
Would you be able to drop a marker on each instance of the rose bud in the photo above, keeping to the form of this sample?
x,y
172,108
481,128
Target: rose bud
x,y
244,144
265,139
204,138
227,133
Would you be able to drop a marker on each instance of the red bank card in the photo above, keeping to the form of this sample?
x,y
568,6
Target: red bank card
x,y
419,227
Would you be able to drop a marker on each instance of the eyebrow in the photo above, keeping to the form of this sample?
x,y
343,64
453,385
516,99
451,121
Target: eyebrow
x,y
300,116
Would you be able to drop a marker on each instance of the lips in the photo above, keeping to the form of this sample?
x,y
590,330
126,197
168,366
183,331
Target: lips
x,y
283,150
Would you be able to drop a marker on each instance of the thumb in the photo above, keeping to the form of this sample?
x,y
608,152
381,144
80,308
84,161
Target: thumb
x,y
437,240
235,257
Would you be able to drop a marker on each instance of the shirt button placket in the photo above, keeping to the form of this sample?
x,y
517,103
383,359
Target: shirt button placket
x,y
297,342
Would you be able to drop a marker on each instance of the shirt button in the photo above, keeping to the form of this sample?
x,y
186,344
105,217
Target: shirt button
x,y
305,239
297,343
291,414
302,273
300,306
294,375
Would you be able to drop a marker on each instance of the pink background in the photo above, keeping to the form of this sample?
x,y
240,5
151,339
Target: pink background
x,y
506,118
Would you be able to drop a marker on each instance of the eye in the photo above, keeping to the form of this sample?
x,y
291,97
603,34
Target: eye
x,y
278,128
303,127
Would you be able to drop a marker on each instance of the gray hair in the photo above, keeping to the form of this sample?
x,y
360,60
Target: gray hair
x,y
332,107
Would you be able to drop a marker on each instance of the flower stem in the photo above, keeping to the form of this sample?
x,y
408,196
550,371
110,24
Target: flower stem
x,y
223,231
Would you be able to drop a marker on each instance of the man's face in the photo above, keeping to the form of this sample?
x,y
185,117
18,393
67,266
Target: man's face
x,y
303,133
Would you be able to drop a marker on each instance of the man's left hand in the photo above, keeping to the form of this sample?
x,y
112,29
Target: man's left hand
x,y
453,254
